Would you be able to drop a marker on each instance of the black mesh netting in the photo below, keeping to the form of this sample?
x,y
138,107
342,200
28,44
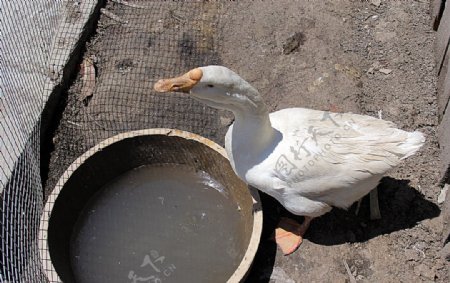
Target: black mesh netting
x,y
133,47
133,44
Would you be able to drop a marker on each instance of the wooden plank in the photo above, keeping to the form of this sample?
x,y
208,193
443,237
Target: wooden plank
x,y
437,7
443,86
444,116
444,142
443,36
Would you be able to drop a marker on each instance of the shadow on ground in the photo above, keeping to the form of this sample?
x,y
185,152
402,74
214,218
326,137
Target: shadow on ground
x,y
401,206
265,257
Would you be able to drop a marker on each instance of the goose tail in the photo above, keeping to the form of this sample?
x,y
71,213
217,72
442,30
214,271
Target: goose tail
x,y
414,141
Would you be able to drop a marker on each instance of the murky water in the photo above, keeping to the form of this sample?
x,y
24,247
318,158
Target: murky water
x,y
158,224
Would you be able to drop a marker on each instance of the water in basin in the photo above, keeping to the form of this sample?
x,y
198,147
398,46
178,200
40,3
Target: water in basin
x,y
159,223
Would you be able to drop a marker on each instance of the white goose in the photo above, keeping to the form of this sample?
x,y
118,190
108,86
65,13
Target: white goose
x,y
308,160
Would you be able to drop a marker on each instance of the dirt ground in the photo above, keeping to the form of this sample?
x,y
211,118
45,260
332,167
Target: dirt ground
x,y
365,57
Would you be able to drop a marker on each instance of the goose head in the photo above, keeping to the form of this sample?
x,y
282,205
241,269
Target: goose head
x,y
216,86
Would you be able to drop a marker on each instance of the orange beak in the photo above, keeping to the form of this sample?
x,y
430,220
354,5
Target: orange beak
x,y
182,83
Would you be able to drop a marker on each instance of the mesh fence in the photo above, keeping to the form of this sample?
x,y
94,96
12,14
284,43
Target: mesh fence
x,y
26,46
134,44
133,47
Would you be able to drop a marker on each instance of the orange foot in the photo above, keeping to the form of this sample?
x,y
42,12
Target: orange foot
x,y
289,234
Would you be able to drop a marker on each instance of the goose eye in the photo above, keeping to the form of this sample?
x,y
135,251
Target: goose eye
x,y
210,85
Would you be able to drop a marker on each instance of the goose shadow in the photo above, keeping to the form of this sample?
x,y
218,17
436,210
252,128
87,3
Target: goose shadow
x,y
264,261
401,206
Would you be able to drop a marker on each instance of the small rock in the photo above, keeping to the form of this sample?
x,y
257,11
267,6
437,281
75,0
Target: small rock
x,y
385,71
443,194
374,17
411,255
375,2
293,42
318,81
420,247
371,71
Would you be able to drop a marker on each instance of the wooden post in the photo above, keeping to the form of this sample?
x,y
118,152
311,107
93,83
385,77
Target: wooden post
x,y
443,88
441,22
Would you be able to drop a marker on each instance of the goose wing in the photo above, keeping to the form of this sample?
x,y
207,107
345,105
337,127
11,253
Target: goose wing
x,y
337,157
